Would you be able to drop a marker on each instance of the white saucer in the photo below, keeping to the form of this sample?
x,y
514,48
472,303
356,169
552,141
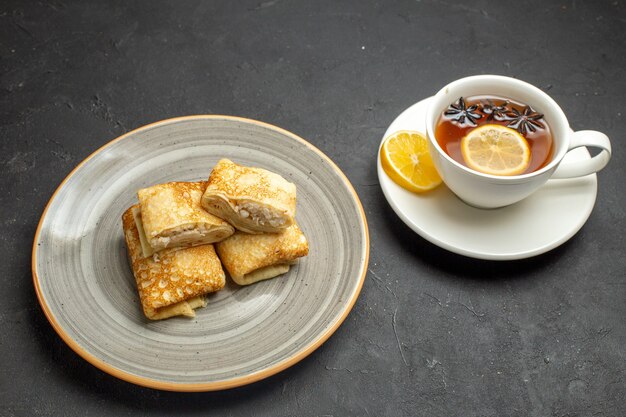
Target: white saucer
x,y
537,224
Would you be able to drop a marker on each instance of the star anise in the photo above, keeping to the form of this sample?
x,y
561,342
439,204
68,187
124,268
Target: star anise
x,y
460,112
493,111
525,121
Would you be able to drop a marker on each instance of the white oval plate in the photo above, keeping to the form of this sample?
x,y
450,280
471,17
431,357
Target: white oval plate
x,y
87,291
537,224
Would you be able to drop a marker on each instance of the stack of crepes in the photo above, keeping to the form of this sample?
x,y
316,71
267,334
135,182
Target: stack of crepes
x,y
181,233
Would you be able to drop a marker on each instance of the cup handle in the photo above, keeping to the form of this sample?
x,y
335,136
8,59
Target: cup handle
x,y
581,168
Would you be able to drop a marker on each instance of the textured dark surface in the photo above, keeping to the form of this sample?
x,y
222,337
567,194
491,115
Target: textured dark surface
x,y
432,334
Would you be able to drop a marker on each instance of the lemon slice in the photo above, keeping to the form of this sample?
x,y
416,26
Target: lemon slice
x,y
405,158
496,150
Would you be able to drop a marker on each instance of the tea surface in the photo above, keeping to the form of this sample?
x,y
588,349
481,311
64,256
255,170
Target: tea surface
x,y
468,113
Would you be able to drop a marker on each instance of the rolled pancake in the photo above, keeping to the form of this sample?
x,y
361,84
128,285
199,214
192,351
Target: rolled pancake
x,y
251,258
172,217
253,200
173,282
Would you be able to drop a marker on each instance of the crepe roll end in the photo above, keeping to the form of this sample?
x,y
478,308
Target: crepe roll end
x,y
262,274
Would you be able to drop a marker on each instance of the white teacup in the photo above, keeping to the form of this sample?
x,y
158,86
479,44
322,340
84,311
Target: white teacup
x,y
491,191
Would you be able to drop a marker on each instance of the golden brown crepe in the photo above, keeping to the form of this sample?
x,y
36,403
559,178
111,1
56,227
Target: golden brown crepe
x,y
173,281
172,217
253,200
251,258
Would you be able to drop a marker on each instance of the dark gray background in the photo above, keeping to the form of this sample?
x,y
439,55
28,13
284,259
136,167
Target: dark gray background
x,y
538,337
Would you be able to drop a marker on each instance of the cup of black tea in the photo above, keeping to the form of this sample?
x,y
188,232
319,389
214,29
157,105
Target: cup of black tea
x,y
495,140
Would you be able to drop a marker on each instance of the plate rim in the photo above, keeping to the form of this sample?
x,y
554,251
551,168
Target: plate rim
x,y
481,255
215,385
